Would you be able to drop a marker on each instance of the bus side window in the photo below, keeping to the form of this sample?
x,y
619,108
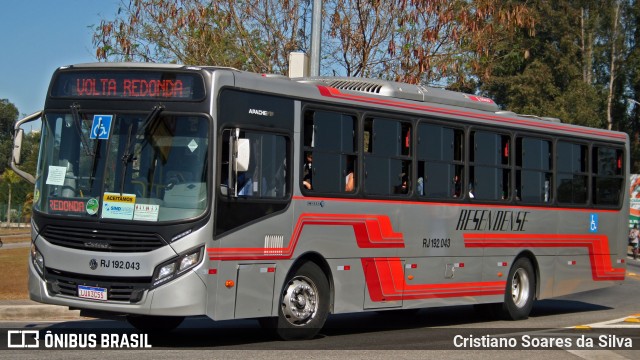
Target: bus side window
x,y
572,176
440,161
387,159
490,169
329,148
533,170
607,176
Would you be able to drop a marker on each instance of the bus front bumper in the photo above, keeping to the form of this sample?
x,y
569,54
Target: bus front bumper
x,y
184,296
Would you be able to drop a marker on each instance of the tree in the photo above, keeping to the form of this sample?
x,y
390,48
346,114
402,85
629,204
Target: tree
x,y
418,41
254,35
546,74
10,178
8,117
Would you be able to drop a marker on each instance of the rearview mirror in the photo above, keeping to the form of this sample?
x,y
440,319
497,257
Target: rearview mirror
x,y
17,146
243,155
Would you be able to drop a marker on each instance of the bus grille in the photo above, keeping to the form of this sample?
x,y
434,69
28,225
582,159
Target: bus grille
x,y
102,240
128,289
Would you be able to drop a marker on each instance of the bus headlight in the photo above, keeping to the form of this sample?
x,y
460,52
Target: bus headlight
x,y
177,266
189,261
37,259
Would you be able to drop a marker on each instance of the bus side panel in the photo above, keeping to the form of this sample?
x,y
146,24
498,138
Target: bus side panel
x,y
573,275
254,290
349,288
546,276
240,256
222,299
442,281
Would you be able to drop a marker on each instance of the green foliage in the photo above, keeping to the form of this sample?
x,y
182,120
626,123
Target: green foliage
x,y
10,183
8,117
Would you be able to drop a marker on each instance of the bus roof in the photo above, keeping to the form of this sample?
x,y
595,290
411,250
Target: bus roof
x,y
405,91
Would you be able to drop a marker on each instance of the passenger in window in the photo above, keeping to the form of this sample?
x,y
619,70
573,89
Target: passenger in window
x,y
403,188
457,187
349,181
420,186
307,172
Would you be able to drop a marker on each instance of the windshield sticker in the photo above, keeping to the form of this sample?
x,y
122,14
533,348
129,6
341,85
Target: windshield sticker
x,y
92,206
56,175
146,212
193,145
118,206
101,127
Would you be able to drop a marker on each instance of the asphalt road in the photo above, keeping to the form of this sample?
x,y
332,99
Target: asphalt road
x,y
430,333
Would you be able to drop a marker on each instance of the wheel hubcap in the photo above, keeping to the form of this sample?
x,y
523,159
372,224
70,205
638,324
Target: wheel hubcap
x,y
520,288
300,301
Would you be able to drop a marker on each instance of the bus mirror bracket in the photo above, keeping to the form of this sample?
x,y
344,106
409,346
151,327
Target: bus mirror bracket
x,y
239,155
18,134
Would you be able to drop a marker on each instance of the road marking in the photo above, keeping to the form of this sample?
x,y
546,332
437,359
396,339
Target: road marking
x,y
614,324
596,354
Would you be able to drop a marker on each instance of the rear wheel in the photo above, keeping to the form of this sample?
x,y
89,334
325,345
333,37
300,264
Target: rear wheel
x,y
304,304
520,292
154,324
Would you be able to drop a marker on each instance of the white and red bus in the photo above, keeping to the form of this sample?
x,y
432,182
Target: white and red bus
x,y
166,191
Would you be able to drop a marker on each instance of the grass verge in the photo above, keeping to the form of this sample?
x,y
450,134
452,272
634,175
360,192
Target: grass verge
x,y
13,274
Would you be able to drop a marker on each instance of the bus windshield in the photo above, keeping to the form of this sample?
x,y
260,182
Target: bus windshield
x,y
139,167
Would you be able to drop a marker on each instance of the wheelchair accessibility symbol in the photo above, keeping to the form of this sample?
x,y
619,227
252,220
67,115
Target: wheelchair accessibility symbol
x,y
101,127
593,223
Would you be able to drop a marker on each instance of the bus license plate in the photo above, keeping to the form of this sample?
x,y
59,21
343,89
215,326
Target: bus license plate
x,y
90,292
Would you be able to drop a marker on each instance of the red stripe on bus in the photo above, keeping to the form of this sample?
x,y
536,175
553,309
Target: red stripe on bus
x,y
597,246
371,231
328,91
385,281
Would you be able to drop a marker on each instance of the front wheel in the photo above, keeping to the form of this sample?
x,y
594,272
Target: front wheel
x,y
520,292
304,304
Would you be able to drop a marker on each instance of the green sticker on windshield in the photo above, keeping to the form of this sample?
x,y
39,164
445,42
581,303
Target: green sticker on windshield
x,y
92,206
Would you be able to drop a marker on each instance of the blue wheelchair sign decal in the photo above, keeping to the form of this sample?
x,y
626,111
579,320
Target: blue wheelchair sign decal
x,y
101,127
593,223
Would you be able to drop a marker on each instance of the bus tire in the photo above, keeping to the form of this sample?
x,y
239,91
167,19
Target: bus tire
x,y
154,324
520,291
303,303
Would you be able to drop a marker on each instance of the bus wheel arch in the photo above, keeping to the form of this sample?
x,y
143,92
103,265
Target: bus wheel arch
x,y
521,288
305,299
324,266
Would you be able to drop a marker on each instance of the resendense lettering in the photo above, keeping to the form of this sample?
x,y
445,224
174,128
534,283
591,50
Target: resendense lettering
x,y
492,220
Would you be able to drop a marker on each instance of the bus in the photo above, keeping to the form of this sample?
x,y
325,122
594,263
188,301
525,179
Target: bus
x,y
168,191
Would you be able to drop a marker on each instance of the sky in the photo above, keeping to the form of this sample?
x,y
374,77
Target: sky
x,y
37,37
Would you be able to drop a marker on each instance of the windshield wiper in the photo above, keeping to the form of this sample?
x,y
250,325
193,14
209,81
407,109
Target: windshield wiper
x,y
127,157
83,138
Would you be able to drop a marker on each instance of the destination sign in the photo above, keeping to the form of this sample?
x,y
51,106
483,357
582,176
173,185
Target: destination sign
x,y
128,85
